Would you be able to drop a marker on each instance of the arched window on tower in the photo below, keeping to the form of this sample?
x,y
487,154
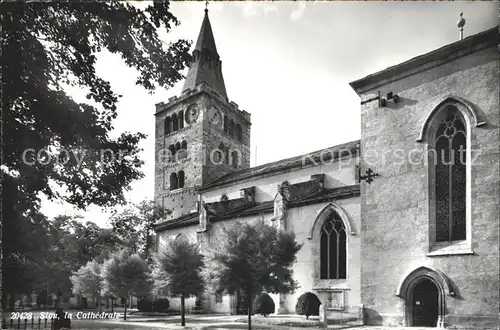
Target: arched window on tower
x,y
238,132
171,149
174,183
181,119
333,256
166,125
450,176
177,147
183,150
175,122
181,179
219,154
230,130
226,124
235,159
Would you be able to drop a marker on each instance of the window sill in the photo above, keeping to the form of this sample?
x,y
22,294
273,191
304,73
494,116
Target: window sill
x,y
458,248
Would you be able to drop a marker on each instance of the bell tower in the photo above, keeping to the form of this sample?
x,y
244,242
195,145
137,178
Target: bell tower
x,y
200,135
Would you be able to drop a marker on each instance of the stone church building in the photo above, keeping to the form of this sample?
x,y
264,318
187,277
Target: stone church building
x,y
400,227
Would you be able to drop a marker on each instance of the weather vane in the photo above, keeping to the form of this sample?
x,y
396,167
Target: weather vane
x,y
206,6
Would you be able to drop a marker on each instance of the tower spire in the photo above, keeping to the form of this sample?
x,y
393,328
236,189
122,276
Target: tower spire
x,y
206,65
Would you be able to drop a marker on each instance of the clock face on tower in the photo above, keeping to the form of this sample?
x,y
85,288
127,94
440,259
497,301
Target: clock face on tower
x,y
192,113
214,116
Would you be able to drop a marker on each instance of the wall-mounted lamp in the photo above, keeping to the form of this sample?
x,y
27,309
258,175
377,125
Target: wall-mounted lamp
x,y
382,102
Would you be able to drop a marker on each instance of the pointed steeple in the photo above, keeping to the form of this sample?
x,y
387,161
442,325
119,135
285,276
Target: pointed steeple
x,y
206,65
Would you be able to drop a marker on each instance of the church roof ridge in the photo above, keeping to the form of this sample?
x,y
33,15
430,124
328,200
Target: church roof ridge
x,y
428,60
287,163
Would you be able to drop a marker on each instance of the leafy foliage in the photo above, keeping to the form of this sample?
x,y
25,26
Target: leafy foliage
x,y
308,304
145,305
264,304
253,258
134,226
178,270
161,305
47,46
126,275
87,281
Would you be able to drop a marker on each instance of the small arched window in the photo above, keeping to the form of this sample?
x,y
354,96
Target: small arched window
x,y
183,150
226,124
174,183
166,125
230,130
450,176
235,159
181,119
238,133
175,122
333,248
219,153
177,146
181,179
227,156
171,149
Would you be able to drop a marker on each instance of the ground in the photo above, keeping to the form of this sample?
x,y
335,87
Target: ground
x,y
208,321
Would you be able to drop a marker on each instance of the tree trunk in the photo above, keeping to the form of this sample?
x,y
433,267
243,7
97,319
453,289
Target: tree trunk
x,y
125,313
183,312
249,308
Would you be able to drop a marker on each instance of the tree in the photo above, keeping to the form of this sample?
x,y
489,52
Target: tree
x,y
87,281
264,304
253,258
125,275
134,226
49,140
178,271
307,304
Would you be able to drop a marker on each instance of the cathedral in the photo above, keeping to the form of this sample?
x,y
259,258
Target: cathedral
x,y
400,227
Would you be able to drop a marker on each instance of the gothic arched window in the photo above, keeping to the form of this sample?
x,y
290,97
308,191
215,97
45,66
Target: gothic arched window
x,y
181,179
175,122
450,176
333,256
181,119
174,184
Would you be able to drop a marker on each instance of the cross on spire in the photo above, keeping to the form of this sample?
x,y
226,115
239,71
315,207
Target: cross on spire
x,y
206,6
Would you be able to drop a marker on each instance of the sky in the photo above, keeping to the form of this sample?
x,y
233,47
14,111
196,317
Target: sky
x,y
289,64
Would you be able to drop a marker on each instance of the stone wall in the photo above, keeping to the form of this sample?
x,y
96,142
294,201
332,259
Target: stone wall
x,y
395,207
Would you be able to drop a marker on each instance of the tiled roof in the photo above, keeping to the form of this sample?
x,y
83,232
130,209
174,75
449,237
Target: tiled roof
x,y
182,221
262,207
316,157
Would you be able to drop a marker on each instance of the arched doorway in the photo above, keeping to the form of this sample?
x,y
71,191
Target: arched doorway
x,y
424,291
425,303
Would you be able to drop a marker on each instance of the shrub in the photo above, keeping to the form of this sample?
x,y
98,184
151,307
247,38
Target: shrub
x,y
264,305
161,305
307,304
144,305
